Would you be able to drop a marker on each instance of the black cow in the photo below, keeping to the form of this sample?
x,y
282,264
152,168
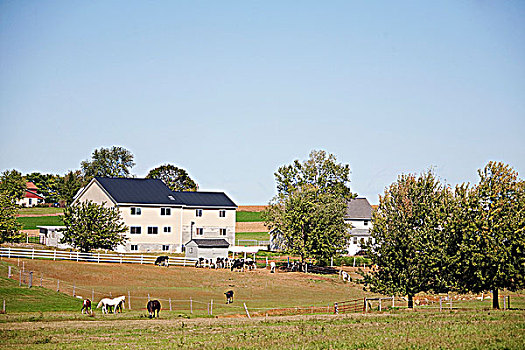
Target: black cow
x,y
162,260
229,296
238,264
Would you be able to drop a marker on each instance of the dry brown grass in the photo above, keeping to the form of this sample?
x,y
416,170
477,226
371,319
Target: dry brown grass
x,y
258,289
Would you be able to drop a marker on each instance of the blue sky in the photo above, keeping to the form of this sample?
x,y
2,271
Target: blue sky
x,y
231,90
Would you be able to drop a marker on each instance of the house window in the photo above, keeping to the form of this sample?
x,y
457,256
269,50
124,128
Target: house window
x,y
198,212
222,213
355,240
29,201
165,248
136,230
153,230
136,211
167,229
362,241
191,250
222,232
165,211
366,223
134,247
200,231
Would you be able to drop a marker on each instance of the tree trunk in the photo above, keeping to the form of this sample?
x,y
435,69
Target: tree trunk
x,y
410,302
495,299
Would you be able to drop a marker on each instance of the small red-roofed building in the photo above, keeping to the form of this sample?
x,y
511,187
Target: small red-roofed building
x,y
31,196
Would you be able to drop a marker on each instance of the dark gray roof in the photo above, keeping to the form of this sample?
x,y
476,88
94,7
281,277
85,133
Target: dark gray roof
x,y
154,191
359,208
211,243
205,199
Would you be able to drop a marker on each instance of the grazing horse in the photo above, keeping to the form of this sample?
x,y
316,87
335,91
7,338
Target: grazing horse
x,y
114,303
272,267
86,306
238,264
229,296
153,305
162,260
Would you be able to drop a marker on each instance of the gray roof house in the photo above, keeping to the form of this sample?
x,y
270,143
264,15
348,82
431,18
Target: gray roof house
x,y
359,215
160,219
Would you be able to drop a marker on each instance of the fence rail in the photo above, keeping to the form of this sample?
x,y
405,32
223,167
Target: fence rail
x,y
343,307
90,257
252,242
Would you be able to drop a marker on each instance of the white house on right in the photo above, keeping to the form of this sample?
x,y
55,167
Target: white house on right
x,y
359,215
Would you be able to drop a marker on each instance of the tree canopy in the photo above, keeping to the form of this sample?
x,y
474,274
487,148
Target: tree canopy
x,y
488,247
69,185
408,241
108,162
307,215
9,227
177,179
13,184
47,185
93,226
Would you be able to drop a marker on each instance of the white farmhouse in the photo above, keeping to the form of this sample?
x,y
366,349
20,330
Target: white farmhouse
x,y
159,219
359,215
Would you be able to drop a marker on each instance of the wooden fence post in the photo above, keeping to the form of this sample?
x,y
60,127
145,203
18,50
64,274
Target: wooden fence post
x,y
366,304
266,261
247,313
379,304
211,307
9,252
504,303
54,255
77,256
30,279
393,305
9,272
33,253
440,304
129,300
98,257
332,261
3,308
191,306
141,258
170,304
20,279
23,266
450,302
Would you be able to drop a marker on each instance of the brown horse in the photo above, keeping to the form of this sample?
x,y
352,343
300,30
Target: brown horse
x,y
86,306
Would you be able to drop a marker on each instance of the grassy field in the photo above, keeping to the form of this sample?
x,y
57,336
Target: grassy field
x,y
259,236
44,319
249,216
401,330
31,223
40,211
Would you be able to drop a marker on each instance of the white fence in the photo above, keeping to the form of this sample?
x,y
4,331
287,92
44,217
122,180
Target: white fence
x,y
90,257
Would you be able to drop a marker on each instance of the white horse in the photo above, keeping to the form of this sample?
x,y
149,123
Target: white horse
x,y
106,303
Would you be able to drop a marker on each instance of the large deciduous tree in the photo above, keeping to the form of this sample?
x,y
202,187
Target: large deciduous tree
x,y
175,178
93,226
69,185
13,184
408,238
108,162
47,185
307,214
488,248
9,227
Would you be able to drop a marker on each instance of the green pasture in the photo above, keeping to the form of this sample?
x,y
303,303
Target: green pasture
x,y
468,330
31,223
249,216
259,236
40,211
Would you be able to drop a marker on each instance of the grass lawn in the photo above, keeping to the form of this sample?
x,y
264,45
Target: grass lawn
x,y
44,319
31,223
249,216
259,236
40,211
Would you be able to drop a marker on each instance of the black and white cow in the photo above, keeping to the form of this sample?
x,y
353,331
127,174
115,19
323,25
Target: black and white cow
x,y
162,260
238,264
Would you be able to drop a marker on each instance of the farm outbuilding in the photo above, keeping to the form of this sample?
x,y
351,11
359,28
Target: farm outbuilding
x,y
207,248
